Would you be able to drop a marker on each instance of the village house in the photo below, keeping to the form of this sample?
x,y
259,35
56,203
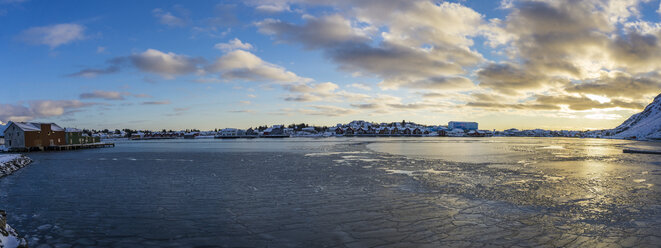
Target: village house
x,y
31,135
74,136
383,131
275,131
337,130
349,131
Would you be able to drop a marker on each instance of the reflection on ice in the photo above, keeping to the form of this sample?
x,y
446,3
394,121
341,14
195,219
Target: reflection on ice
x,y
552,147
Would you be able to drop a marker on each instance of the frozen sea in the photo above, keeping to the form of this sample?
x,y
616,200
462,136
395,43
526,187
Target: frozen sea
x,y
346,192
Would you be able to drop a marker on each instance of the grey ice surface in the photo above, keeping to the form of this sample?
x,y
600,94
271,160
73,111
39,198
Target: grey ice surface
x,y
341,192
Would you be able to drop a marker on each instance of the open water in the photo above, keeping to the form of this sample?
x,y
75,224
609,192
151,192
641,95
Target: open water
x,y
348,192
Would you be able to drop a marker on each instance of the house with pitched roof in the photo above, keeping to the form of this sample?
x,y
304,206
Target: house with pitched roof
x,y
33,135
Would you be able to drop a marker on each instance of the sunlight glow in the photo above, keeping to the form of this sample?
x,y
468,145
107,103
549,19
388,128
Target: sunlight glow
x,y
600,116
600,99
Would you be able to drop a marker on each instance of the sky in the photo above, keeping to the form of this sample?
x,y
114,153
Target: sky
x,y
560,65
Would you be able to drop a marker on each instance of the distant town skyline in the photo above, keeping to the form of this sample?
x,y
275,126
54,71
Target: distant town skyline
x,y
572,65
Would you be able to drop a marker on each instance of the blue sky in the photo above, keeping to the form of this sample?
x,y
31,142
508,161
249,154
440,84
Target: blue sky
x,y
214,64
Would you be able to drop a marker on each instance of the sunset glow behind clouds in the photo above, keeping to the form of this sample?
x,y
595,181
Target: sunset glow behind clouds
x,y
203,64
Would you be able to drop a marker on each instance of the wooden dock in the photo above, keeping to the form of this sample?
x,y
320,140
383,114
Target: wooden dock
x,y
64,147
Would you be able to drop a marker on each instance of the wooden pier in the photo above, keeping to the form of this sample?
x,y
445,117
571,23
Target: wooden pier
x,y
64,147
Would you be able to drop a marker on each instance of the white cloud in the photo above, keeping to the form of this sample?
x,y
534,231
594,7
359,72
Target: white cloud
x,y
54,35
360,86
166,65
232,45
243,65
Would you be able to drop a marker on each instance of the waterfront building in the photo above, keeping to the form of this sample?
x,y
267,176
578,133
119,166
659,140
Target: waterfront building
x,y
275,130
229,132
74,136
29,135
466,126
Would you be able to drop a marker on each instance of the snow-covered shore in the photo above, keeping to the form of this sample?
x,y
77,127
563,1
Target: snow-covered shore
x,y
8,164
12,162
8,236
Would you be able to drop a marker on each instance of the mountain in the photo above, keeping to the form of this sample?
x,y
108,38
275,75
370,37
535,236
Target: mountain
x,y
644,125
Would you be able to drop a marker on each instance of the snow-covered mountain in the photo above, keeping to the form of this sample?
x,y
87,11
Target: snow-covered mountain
x,y
644,125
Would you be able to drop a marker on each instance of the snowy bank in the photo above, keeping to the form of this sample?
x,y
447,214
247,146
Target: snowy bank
x,y
8,236
645,125
12,162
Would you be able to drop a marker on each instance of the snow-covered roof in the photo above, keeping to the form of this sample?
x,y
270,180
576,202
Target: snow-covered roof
x,y
26,126
55,127
35,126
72,130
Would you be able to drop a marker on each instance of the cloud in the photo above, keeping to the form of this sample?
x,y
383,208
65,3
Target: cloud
x,y
93,72
621,85
156,102
107,95
423,40
360,86
306,97
53,35
509,78
167,18
326,110
311,92
110,95
167,65
243,65
552,102
242,111
327,31
321,92
232,45
40,109
142,95
433,83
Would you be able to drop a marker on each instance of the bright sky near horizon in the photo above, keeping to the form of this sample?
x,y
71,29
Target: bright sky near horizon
x,y
211,64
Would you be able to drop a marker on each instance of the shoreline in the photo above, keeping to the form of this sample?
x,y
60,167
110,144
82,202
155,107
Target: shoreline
x,y
9,163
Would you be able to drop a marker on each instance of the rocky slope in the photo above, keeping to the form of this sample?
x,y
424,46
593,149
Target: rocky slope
x,y
12,162
645,125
